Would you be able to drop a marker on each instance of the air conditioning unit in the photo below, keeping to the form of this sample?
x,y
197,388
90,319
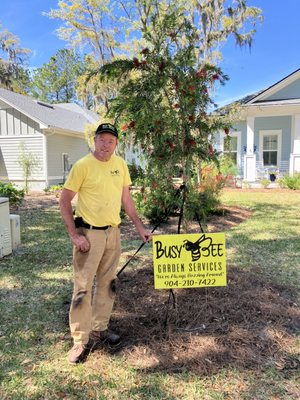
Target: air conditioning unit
x,y
15,231
5,237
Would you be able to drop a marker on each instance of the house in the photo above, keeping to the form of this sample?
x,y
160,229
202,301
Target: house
x,y
51,133
266,139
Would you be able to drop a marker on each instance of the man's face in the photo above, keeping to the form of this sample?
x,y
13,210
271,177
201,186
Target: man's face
x,y
105,145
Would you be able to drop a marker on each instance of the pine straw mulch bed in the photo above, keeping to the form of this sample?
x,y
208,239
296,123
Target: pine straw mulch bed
x,y
249,324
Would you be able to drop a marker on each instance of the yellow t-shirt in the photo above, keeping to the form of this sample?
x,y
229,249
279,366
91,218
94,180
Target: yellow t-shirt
x,y
99,186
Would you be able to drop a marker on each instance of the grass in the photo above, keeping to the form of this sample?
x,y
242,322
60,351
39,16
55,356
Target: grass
x,y
35,288
269,241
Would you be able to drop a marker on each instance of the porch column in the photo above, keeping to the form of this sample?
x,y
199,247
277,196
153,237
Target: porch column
x,y
250,135
295,155
250,157
45,160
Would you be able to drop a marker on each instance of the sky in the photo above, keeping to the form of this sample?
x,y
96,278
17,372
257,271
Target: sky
x,y
275,51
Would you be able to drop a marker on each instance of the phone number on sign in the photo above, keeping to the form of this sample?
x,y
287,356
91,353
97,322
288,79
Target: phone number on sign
x,y
190,282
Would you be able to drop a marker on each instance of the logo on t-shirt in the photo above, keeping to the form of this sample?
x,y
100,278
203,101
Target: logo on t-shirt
x,y
115,172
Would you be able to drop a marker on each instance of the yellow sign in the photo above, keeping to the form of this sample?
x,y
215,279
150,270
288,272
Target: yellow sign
x,y
189,260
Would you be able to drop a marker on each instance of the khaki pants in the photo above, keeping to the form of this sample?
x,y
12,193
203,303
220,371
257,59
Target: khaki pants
x,y
89,312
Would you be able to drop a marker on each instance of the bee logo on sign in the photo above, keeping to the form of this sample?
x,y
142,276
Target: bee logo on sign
x,y
195,248
189,260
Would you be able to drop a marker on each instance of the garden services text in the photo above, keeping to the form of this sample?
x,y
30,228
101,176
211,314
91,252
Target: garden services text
x,y
189,260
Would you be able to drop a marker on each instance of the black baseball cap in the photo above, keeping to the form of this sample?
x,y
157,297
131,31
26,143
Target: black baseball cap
x,y
107,128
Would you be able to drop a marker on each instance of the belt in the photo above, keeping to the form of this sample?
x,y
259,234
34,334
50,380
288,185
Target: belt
x,y
101,228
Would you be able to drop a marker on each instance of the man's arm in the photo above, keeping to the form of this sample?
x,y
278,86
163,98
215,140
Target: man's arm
x,y
79,241
130,210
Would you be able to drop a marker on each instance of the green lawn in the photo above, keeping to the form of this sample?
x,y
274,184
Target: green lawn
x,y
35,288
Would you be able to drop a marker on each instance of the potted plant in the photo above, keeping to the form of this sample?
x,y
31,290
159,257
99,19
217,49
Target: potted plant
x,y
272,175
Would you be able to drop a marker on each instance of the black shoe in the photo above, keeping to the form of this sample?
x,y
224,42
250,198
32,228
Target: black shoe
x,y
107,336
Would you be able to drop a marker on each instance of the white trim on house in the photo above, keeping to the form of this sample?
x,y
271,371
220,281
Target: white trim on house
x,y
250,135
269,110
295,145
276,87
238,153
250,173
295,142
45,160
250,155
271,132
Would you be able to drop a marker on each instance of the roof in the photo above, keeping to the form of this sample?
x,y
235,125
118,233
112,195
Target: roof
x,y
70,117
290,102
260,96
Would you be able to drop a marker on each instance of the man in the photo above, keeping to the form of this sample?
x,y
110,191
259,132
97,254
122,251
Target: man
x,y
101,180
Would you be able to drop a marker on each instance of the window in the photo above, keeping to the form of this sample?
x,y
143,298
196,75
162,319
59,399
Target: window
x,y
231,148
270,150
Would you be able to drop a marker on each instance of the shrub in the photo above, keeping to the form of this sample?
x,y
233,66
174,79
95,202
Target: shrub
x,y
228,167
14,194
212,179
158,196
208,199
157,202
136,172
202,204
55,189
290,182
265,182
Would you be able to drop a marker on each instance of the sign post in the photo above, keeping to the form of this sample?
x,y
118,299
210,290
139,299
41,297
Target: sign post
x,y
189,260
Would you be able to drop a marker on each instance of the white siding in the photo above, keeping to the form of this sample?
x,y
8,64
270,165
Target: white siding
x,y
3,125
57,145
17,123
13,123
10,168
10,122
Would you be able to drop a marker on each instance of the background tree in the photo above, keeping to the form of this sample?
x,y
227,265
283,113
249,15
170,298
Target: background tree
x,y
168,91
56,81
90,24
13,72
93,93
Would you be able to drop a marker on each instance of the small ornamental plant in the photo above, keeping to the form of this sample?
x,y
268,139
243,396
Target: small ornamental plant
x,y
265,182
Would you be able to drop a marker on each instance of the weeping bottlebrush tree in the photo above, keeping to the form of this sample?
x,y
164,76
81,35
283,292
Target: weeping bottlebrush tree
x,y
164,102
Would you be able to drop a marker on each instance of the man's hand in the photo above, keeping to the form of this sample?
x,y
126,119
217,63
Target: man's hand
x,y
145,235
80,242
